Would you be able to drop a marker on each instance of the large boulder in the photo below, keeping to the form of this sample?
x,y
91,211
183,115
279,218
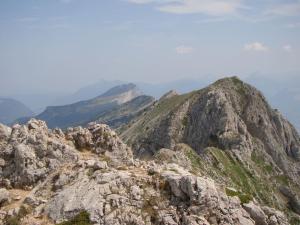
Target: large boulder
x,y
32,152
256,213
100,139
4,197
4,132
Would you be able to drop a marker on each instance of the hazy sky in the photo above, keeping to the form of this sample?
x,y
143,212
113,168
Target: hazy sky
x,y
60,45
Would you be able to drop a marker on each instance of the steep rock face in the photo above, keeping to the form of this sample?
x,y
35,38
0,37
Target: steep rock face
x,y
250,141
229,114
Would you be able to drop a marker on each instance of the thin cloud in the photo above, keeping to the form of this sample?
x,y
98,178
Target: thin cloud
x,y
285,9
208,7
27,19
256,46
182,50
66,1
223,8
287,48
293,25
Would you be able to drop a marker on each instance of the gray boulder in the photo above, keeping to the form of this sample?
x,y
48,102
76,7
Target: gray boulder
x,y
5,197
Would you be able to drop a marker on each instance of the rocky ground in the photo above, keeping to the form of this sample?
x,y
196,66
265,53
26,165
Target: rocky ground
x,y
50,176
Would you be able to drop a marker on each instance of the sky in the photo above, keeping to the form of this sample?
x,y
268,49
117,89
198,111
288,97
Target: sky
x,y
62,45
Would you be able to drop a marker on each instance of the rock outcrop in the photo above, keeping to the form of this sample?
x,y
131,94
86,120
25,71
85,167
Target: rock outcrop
x,y
59,175
5,197
30,152
100,139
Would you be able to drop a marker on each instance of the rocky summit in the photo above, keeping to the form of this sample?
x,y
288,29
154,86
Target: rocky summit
x,y
232,134
220,155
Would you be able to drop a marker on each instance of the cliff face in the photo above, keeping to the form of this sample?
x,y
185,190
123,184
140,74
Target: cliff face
x,y
228,114
232,117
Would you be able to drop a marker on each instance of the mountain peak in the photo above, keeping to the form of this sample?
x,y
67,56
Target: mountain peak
x,y
229,124
120,89
169,94
83,112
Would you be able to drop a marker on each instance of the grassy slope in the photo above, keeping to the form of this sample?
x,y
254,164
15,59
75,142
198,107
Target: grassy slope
x,y
152,117
259,180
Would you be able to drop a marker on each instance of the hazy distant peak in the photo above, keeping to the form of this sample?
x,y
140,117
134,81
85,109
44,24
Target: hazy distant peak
x,y
11,109
169,94
120,89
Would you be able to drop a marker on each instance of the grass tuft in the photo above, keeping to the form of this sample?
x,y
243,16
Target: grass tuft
x,y
83,218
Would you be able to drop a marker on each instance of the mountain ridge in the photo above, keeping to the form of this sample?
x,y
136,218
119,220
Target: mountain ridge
x,y
83,112
11,109
229,123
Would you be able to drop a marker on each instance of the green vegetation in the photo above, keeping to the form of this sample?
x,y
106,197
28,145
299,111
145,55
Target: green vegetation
x,y
195,159
105,158
16,220
248,185
167,105
83,218
222,165
152,117
185,121
240,86
261,163
244,198
283,180
294,221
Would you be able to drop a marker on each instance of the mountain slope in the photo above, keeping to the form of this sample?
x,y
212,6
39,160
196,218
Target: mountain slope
x,y
126,112
240,139
86,111
283,92
11,109
88,176
88,92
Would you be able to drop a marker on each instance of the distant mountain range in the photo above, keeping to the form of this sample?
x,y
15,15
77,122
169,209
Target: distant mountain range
x,y
283,93
87,92
11,109
117,105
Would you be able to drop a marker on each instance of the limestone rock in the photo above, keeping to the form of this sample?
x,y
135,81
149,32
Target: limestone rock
x,y
4,131
4,197
256,213
100,139
58,175
32,152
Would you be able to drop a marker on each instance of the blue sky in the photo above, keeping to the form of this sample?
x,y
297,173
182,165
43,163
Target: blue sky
x,y
61,45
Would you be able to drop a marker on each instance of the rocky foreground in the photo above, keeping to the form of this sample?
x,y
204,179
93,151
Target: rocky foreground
x,y
50,176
